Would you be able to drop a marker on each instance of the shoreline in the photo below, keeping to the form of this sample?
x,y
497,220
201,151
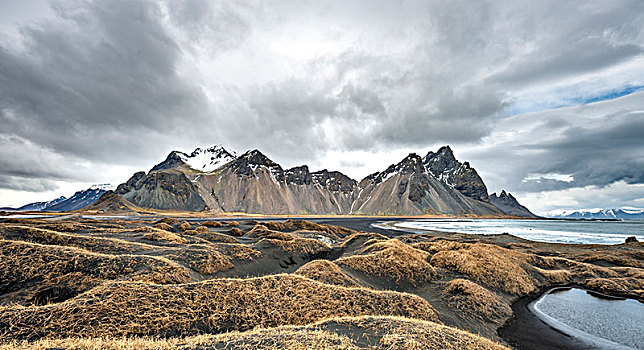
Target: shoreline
x,y
526,330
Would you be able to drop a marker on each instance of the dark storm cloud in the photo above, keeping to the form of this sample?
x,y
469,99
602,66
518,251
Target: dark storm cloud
x,y
99,82
596,146
599,156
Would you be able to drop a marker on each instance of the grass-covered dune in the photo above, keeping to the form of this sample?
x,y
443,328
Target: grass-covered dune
x,y
122,284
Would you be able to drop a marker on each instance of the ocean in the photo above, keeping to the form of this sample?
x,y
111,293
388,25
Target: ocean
x,y
554,231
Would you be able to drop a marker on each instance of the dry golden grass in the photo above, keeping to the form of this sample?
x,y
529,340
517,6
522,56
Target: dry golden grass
x,y
136,289
27,267
392,259
239,251
217,237
162,226
336,231
359,238
298,245
471,299
377,332
617,286
49,237
164,236
619,258
261,231
274,225
493,266
556,276
169,221
136,309
439,246
200,259
235,232
184,226
201,229
211,223
326,272
576,268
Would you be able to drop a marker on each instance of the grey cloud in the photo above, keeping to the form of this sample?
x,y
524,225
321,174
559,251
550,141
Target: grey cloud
x,y
573,39
98,82
26,184
596,147
123,82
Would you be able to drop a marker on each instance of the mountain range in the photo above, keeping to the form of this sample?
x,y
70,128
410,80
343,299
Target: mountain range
x,y
79,200
218,180
622,214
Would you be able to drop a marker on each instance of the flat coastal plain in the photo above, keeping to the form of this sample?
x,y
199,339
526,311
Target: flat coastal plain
x,y
327,283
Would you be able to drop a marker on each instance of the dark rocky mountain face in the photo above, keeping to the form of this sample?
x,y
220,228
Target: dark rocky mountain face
x,y
506,202
334,181
130,184
247,163
162,189
299,175
444,166
173,160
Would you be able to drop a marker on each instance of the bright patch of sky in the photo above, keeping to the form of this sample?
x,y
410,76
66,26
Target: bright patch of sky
x,y
556,177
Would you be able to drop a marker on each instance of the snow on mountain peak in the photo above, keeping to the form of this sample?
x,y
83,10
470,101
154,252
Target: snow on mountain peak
x,y
209,159
104,187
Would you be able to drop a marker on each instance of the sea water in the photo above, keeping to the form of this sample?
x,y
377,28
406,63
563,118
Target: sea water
x,y
603,323
554,231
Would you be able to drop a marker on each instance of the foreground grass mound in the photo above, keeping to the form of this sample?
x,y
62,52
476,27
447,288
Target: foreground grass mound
x,y
326,272
214,306
334,334
392,259
163,286
25,267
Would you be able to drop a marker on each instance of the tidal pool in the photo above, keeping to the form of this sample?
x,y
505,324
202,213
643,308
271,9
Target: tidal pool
x,y
601,322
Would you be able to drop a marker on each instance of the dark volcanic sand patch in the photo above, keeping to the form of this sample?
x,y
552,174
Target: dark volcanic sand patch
x,y
526,331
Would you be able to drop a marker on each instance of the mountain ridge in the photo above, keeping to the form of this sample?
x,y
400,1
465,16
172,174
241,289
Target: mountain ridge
x,y
612,213
251,182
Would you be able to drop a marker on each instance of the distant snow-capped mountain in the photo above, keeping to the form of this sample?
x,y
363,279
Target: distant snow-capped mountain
x,y
42,205
79,200
623,214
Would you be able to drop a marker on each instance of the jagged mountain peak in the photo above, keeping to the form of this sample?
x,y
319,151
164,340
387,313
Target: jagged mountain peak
x,y
461,176
444,153
441,161
299,175
506,202
334,180
249,162
203,160
209,159
412,163
256,157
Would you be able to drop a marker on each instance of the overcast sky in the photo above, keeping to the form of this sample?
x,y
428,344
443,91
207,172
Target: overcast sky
x,y
544,98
